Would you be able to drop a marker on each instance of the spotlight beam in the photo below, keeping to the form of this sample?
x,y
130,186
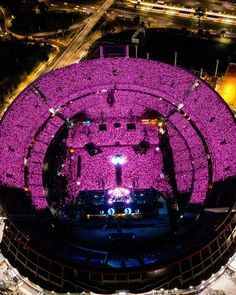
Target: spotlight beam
x,y
118,174
118,160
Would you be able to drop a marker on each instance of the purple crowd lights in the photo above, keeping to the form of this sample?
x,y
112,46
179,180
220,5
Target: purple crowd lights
x,y
200,125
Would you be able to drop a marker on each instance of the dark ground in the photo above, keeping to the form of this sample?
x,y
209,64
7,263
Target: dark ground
x,y
18,59
194,53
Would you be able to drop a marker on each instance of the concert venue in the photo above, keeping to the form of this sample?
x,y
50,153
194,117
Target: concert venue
x,y
118,174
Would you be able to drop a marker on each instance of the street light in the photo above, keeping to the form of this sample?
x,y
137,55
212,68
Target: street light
x,y
136,50
217,64
175,62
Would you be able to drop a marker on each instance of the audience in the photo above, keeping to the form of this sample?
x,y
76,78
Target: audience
x,y
200,126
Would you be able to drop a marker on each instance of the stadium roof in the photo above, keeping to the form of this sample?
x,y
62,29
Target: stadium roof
x,y
228,86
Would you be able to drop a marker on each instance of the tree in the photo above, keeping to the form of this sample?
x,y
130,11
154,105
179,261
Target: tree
x,y
107,28
15,7
199,13
31,4
137,20
43,8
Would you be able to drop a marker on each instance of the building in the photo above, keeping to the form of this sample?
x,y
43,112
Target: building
x,y
228,87
118,174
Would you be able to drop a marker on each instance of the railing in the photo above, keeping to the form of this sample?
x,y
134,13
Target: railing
x,y
182,273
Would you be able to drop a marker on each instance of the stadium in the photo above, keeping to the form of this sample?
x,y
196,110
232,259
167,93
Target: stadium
x,y
118,174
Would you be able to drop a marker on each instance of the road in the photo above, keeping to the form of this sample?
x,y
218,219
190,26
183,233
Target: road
x,y
213,5
76,26
175,20
2,20
72,53
170,16
77,47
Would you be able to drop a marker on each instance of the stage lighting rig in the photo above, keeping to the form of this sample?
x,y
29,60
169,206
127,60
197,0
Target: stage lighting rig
x,y
142,147
102,127
92,149
131,127
111,97
119,195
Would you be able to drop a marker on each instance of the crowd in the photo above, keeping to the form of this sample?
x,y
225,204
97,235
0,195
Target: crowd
x,y
198,157
184,169
200,125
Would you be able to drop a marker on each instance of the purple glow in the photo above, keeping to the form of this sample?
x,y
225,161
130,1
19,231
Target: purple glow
x,y
140,84
119,194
